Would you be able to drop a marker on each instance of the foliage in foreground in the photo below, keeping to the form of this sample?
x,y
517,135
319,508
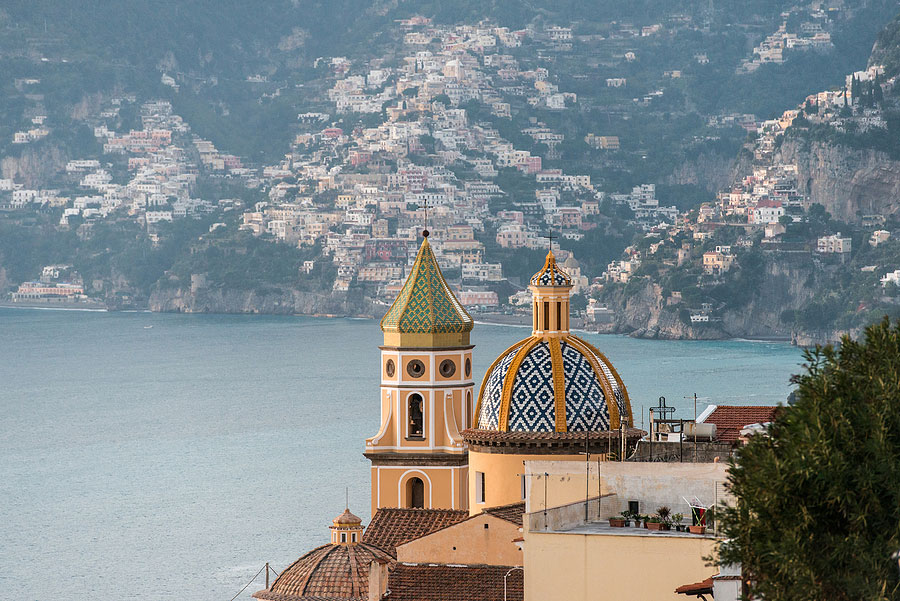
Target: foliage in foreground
x,y
817,512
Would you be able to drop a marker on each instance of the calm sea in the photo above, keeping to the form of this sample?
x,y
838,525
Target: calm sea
x,y
148,456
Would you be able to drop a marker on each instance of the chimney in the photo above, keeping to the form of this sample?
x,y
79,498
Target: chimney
x,y
378,579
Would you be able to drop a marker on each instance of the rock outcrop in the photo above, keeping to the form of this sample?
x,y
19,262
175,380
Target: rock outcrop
x,y
785,286
35,166
709,170
848,182
271,301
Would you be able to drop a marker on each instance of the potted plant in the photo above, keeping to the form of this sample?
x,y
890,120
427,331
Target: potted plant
x,y
645,519
628,517
655,524
617,522
697,529
663,513
676,519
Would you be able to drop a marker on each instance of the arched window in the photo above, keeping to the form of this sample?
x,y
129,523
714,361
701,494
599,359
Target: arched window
x,y
415,493
546,315
415,416
558,317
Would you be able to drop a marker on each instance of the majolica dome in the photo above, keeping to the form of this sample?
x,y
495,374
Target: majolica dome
x,y
552,381
556,385
550,274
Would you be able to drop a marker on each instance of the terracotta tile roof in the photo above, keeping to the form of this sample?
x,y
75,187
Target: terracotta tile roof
x,y
511,513
729,420
704,587
391,526
441,582
326,572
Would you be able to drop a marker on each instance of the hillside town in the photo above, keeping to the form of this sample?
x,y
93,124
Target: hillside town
x,y
358,195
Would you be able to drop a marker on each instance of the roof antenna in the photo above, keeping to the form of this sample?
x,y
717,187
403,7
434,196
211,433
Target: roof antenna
x,y
425,232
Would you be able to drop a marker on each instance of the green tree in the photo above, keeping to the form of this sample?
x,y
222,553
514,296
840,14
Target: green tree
x,y
816,515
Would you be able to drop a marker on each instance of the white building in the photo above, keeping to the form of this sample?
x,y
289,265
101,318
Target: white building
x,y
834,244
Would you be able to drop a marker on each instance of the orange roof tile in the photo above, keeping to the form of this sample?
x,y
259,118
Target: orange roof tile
x,y
441,582
729,420
391,527
511,513
703,587
329,571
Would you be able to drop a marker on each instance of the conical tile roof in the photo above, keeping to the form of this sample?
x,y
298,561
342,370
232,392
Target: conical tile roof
x,y
426,305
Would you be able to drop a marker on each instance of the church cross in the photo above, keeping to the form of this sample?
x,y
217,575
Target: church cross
x,y
549,236
425,231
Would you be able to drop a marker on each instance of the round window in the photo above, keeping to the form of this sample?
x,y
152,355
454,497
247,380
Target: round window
x,y
447,368
468,367
390,368
415,368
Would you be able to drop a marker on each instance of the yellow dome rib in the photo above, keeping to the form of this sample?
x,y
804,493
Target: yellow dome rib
x,y
559,385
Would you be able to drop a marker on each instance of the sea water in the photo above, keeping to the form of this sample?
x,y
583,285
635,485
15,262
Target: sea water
x,y
161,456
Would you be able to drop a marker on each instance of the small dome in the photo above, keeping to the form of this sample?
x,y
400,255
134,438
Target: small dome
x,y
329,571
347,519
552,385
550,274
571,262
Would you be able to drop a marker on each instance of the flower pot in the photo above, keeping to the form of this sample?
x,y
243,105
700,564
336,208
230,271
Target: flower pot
x,y
698,529
655,526
615,523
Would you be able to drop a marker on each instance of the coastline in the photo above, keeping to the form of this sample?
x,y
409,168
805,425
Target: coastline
x,y
488,318
55,305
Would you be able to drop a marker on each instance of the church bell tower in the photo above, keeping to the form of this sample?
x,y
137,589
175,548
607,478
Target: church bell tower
x,y
419,458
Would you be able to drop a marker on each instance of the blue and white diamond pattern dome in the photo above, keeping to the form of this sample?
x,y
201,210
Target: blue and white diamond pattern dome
x,y
550,274
556,384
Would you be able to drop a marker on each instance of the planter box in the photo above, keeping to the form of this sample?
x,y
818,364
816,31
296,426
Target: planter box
x,y
700,529
614,523
655,526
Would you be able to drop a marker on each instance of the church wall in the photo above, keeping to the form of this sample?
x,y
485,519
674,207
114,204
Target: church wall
x,y
503,474
445,485
435,388
481,539
582,567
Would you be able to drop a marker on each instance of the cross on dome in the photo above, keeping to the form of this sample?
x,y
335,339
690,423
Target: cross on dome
x,y
551,274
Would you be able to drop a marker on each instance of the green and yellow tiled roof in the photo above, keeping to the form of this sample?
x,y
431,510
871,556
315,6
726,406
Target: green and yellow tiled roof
x,y
426,305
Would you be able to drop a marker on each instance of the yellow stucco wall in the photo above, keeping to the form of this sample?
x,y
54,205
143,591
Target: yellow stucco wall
x,y
576,567
445,486
467,542
502,477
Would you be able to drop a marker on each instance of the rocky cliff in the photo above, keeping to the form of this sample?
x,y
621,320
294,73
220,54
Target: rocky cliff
x,y
35,166
848,182
785,286
710,170
273,301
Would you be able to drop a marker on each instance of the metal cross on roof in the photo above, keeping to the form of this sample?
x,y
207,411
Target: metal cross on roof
x,y
549,236
425,231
